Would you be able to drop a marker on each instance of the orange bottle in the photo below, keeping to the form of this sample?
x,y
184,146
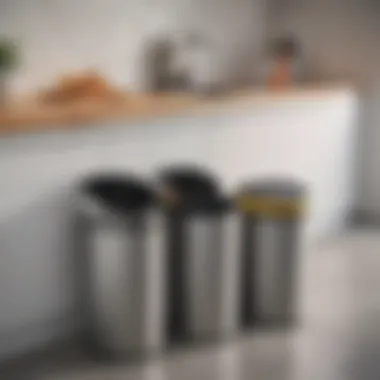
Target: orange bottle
x,y
282,75
285,53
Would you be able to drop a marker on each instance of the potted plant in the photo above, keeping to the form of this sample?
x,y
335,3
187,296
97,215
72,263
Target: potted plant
x,y
9,59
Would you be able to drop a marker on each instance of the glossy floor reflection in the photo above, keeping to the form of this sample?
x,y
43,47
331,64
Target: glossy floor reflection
x,y
338,337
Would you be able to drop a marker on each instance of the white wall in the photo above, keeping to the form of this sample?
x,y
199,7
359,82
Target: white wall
x,y
310,139
340,39
57,36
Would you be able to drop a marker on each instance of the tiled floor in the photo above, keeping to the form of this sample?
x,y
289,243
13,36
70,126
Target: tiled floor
x,y
338,338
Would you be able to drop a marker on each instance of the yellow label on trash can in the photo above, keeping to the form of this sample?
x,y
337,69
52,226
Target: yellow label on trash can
x,y
271,207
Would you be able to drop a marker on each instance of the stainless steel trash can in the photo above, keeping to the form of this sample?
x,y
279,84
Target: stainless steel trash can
x,y
210,281
123,294
271,215
203,267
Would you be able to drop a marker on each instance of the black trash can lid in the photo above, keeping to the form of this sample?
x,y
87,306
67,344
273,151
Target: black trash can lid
x,y
118,192
189,182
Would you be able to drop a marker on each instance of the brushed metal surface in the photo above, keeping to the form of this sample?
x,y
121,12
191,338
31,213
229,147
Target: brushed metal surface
x,y
211,276
272,280
125,268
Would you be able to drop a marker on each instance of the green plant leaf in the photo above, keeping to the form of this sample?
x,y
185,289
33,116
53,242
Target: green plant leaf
x,y
9,55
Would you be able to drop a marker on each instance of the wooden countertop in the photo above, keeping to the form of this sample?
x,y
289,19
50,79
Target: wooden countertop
x,y
32,116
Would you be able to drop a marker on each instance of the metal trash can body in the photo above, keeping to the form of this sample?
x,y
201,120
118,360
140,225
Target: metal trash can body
x,y
124,264
202,262
210,269
271,212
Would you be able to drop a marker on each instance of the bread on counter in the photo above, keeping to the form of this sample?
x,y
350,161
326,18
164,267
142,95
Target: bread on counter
x,y
88,85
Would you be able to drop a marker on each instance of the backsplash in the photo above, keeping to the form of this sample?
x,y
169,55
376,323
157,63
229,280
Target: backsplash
x,y
57,37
